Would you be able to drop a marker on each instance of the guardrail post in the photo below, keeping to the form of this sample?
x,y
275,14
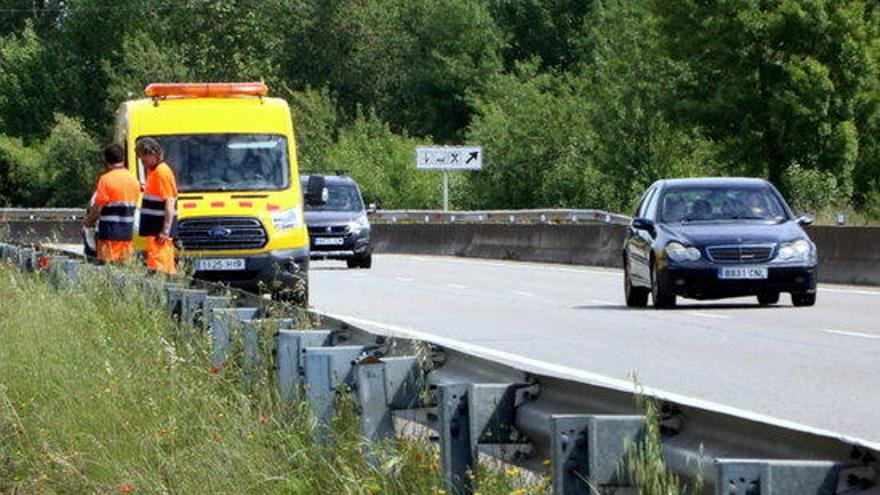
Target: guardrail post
x,y
772,477
27,259
251,336
383,386
327,369
586,447
456,456
289,346
173,297
222,321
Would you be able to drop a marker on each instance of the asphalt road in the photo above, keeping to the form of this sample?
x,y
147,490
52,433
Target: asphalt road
x,y
818,367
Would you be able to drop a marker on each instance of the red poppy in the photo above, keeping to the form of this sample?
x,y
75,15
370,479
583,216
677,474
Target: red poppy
x,y
216,369
264,420
43,262
125,488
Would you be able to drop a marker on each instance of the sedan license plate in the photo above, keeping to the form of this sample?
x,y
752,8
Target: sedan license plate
x,y
329,241
743,273
222,264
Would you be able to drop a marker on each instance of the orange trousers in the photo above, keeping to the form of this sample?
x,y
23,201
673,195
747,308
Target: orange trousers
x,y
160,256
115,251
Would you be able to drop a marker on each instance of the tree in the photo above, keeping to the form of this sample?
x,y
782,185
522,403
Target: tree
x,y
774,82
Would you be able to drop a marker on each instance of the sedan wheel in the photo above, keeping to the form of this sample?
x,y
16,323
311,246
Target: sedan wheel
x,y
768,298
663,299
636,297
801,300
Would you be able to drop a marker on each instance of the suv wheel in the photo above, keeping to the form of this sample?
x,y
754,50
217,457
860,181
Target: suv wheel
x,y
805,299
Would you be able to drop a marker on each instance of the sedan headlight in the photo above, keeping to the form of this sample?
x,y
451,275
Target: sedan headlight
x,y
679,252
287,219
356,226
799,250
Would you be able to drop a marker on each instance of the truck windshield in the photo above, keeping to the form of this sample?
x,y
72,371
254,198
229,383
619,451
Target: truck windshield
x,y
340,198
227,162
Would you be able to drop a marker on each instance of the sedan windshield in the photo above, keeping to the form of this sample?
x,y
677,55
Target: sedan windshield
x,y
227,162
340,197
708,204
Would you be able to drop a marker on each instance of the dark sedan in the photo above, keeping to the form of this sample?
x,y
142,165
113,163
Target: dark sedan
x,y
716,238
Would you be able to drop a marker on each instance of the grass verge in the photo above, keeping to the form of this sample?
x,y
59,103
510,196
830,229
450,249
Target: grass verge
x,y
97,396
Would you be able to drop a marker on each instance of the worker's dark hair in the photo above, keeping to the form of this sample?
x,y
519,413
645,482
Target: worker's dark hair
x,y
149,146
113,153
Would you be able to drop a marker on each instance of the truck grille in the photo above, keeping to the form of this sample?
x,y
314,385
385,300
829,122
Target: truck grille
x,y
740,254
221,233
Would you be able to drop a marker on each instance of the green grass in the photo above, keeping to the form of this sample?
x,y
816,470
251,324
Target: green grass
x,y
98,396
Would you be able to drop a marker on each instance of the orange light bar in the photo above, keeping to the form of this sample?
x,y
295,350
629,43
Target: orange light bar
x,y
206,90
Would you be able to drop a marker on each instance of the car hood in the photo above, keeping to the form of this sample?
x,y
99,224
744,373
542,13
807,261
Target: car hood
x,y
332,217
720,233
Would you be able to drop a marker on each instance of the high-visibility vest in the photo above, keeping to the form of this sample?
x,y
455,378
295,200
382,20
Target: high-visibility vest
x,y
160,186
120,191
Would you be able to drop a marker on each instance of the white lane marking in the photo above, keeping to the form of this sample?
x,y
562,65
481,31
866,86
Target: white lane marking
x,y
537,366
513,264
525,293
852,334
708,315
602,302
851,291
404,279
457,286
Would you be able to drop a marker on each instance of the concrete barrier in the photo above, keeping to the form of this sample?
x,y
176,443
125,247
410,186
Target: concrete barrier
x,y
847,255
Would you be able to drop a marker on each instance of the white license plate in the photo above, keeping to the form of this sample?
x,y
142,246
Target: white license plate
x,y
329,241
743,273
224,264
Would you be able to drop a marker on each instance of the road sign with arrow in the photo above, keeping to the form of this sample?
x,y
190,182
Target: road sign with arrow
x,y
449,158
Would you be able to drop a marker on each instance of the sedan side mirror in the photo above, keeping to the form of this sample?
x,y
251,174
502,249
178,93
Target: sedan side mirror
x,y
641,223
316,191
371,209
805,219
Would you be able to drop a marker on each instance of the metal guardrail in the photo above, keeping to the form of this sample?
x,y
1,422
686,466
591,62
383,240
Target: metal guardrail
x,y
499,216
389,216
506,409
44,214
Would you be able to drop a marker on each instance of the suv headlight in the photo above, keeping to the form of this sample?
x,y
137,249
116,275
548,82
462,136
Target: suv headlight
x,y
287,219
679,252
799,250
356,226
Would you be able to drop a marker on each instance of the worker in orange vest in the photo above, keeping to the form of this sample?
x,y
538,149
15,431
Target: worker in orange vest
x,y
158,208
113,208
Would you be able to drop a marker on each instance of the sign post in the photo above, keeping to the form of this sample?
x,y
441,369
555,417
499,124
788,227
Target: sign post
x,y
448,158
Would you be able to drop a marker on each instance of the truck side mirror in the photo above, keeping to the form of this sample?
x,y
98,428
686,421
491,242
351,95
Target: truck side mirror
x,y
316,191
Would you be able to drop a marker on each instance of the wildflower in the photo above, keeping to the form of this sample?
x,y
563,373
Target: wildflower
x,y
125,488
216,369
439,491
43,262
264,420
513,471
162,432
518,491
546,462
216,438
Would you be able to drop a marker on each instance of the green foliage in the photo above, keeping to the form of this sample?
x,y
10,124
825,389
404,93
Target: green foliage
x,y
382,163
615,94
809,189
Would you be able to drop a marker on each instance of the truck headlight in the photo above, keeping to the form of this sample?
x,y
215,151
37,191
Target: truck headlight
x,y
287,219
679,252
799,250
356,226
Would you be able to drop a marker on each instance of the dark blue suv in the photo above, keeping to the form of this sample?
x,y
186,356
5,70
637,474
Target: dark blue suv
x,y
338,224
715,238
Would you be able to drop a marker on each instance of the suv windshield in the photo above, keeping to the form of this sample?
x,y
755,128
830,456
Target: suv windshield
x,y
227,162
707,204
340,197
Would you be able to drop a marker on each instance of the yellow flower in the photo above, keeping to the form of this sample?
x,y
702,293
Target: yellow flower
x,y
546,462
513,471
519,491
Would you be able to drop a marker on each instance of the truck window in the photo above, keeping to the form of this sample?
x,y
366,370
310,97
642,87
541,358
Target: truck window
x,y
227,162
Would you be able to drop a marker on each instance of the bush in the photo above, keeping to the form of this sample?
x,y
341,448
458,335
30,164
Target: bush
x,y
383,163
809,189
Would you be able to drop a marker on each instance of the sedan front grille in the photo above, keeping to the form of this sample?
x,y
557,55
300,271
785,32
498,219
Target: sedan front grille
x,y
740,254
221,233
